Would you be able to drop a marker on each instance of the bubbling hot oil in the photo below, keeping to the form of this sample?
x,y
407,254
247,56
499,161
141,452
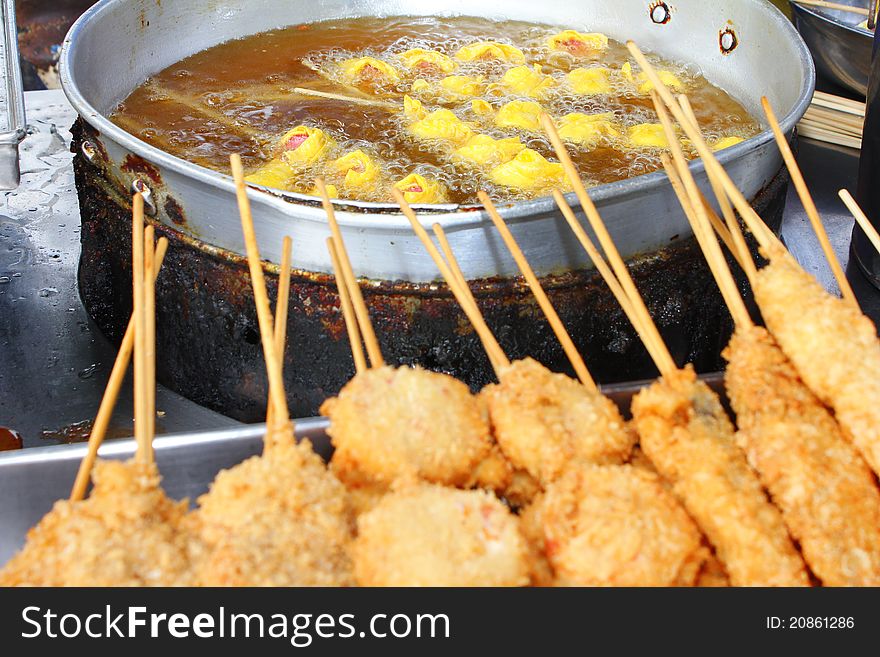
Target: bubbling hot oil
x,y
237,97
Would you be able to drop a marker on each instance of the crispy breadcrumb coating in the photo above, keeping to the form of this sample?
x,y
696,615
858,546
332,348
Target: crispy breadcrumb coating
x,y
815,476
127,533
427,535
712,574
833,346
388,423
544,421
689,439
617,526
280,519
532,525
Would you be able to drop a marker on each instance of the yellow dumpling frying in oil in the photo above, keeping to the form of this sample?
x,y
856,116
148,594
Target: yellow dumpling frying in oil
x,y
427,60
332,191
527,81
481,108
490,50
590,81
647,135
645,85
358,167
412,108
418,189
304,145
529,170
485,151
444,125
577,43
726,142
275,173
463,85
368,69
519,114
586,129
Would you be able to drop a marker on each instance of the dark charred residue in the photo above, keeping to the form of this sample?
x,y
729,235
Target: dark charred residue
x,y
174,211
137,165
727,40
9,439
660,12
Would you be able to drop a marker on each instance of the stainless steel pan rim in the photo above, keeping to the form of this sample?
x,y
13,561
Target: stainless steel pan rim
x,y
361,214
860,32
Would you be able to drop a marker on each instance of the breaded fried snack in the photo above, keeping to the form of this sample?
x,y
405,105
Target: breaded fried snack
x,y
281,519
127,533
428,535
390,422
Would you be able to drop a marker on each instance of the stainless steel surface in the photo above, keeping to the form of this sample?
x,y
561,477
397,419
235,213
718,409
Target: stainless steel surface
x,y
53,361
12,104
118,43
31,481
841,50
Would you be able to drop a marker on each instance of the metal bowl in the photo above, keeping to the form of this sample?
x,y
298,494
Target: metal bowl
x,y
841,49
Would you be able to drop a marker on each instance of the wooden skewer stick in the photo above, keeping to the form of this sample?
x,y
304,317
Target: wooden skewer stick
x,y
150,323
574,356
490,344
277,396
664,360
689,196
281,308
354,334
812,212
833,5
711,250
760,230
654,351
861,218
140,328
111,394
357,298
452,260
354,100
831,101
733,238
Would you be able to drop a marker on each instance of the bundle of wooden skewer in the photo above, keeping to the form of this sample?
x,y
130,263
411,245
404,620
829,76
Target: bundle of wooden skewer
x,y
834,120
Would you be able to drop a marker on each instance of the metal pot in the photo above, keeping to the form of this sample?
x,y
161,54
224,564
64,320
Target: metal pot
x,y
748,47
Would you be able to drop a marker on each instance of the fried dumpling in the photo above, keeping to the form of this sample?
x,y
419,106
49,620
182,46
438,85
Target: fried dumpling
x,y
579,44
443,125
427,61
275,173
645,86
412,108
590,81
527,81
368,69
529,171
726,142
463,85
418,189
305,145
485,151
586,129
519,114
490,50
481,108
648,135
358,167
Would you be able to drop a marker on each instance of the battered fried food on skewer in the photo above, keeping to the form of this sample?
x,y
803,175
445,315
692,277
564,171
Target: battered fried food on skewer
x,y
825,491
690,440
617,526
687,436
281,518
126,533
427,535
389,422
831,343
543,421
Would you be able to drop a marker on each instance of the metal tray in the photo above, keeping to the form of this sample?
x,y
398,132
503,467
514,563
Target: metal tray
x,y
32,480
